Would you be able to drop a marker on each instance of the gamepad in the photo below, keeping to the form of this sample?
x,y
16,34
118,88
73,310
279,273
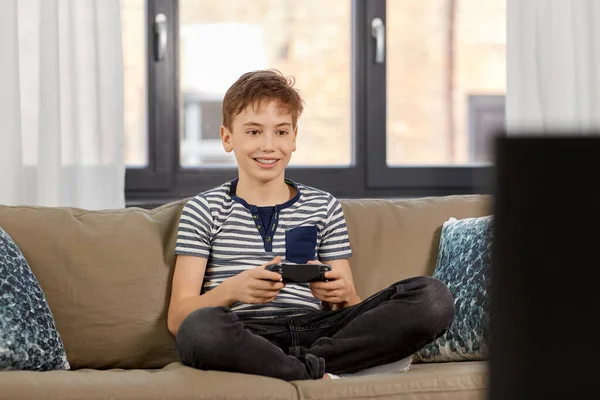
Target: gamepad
x,y
300,273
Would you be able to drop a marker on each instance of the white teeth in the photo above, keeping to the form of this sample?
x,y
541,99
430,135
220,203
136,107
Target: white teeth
x,y
263,161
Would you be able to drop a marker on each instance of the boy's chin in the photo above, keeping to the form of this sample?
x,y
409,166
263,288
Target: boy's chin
x,y
268,175
265,175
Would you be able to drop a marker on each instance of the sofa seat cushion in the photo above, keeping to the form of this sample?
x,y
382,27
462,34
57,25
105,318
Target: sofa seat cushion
x,y
457,380
172,382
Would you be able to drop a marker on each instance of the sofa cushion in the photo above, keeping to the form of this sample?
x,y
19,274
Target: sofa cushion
x,y
174,382
464,265
28,336
447,381
106,275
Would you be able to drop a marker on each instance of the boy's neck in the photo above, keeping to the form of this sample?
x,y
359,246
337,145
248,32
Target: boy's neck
x,y
264,194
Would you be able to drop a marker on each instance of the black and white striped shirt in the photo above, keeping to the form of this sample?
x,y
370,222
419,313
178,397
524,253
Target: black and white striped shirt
x,y
222,227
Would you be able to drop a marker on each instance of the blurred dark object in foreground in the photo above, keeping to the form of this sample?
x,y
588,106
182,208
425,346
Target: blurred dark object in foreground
x,y
545,279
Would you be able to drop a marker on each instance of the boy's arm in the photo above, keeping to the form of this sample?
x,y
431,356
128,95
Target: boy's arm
x,y
185,291
343,265
339,292
253,286
335,250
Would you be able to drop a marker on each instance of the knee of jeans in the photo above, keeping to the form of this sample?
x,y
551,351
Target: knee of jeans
x,y
439,311
200,333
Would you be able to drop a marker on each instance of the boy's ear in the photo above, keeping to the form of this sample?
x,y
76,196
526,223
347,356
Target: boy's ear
x,y
295,135
226,139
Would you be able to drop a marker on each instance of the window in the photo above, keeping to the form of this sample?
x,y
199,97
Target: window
x,y
133,22
286,35
402,97
439,55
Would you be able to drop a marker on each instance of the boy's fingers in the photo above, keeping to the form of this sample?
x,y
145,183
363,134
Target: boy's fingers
x,y
328,286
268,283
268,275
266,294
333,297
275,260
336,295
333,274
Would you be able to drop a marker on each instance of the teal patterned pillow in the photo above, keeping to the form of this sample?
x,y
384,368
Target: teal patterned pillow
x,y
28,336
464,265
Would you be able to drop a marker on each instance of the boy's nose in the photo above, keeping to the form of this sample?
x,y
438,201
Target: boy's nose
x,y
267,142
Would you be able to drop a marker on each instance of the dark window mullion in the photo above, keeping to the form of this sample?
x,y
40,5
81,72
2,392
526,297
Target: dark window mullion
x,y
376,112
162,108
359,99
338,181
165,100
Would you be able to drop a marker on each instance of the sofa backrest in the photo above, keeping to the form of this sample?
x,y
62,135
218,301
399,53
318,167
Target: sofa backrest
x,y
398,239
107,274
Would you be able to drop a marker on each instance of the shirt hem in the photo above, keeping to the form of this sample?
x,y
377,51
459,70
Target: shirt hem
x,y
189,253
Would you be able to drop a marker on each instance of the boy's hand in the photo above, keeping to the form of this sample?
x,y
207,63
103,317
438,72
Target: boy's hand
x,y
339,290
256,285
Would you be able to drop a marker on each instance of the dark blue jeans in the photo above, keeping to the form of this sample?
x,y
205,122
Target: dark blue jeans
x,y
386,327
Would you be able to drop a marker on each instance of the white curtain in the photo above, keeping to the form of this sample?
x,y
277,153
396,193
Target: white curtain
x,y
61,103
553,66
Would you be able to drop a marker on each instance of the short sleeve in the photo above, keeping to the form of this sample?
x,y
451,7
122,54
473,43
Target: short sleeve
x,y
194,235
335,243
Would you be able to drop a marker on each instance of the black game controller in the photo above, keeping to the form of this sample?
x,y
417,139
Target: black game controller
x,y
301,273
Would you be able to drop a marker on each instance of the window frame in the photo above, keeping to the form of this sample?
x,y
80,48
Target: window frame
x,y
446,178
157,176
164,180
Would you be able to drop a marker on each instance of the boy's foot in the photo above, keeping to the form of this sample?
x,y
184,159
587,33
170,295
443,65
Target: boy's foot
x,y
391,368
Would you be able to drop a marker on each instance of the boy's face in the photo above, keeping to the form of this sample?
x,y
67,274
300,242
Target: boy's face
x,y
262,141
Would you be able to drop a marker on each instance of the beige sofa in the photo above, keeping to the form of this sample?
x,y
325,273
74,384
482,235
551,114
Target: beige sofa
x,y
106,275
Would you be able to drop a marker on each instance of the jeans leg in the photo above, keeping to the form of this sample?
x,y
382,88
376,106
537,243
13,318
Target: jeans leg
x,y
215,338
388,326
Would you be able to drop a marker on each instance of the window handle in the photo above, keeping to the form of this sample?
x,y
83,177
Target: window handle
x,y
378,33
160,32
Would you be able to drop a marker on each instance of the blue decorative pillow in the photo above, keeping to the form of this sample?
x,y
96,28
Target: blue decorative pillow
x,y
28,336
464,265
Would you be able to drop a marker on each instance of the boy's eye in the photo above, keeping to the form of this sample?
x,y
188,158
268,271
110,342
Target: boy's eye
x,y
253,132
282,133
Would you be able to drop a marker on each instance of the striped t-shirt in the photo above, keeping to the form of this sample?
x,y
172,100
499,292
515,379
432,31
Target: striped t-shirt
x,y
224,228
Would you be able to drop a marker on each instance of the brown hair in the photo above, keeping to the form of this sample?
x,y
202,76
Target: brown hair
x,y
257,87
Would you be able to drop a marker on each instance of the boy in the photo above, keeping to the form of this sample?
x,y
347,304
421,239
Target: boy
x,y
229,313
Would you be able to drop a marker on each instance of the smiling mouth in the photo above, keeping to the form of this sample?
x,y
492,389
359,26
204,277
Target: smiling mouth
x,y
266,161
